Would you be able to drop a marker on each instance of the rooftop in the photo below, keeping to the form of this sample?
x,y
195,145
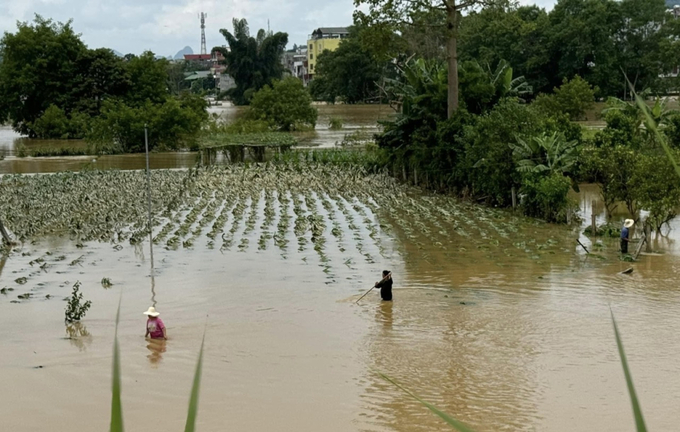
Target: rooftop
x,y
322,32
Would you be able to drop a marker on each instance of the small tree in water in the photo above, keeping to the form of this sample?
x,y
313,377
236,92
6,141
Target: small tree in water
x,y
75,309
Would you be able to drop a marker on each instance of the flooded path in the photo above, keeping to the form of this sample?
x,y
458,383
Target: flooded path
x,y
505,326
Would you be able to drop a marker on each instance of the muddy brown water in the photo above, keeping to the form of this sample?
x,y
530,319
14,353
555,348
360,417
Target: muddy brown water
x,y
501,339
355,118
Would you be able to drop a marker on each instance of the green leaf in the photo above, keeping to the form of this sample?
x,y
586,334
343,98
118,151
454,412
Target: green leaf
x,y
116,407
637,411
458,425
193,401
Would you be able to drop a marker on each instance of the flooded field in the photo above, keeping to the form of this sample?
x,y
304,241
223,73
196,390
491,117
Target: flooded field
x,y
499,320
355,118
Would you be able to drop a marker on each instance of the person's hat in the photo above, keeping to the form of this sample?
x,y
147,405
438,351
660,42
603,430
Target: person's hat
x,y
151,312
628,223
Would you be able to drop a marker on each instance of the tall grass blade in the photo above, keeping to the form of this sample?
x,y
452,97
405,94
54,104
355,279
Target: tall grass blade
x,y
116,407
193,401
637,411
458,425
651,124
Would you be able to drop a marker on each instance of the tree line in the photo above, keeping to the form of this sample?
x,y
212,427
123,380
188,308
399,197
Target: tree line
x,y
53,86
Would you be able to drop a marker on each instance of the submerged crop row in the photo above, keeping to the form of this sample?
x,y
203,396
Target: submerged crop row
x,y
242,207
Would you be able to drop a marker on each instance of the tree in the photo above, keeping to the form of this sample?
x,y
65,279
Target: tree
x,y
349,72
286,105
101,75
401,11
517,35
39,64
582,42
149,79
252,62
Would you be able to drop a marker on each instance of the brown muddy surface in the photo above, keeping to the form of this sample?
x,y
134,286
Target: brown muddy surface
x,y
500,321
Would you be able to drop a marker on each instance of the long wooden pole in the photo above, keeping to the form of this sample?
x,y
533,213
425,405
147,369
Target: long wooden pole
x,y
366,293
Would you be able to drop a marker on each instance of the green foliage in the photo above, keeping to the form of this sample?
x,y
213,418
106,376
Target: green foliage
x,y
52,124
545,153
253,62
39,63
335,123
349,73
575,97
75,308
285,106
53,86
545,196
637,411
656,187
172,125
116,405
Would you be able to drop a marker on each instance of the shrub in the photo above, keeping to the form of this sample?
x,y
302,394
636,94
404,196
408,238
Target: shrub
x,y
75,309
335,123
173,124
545,197
286,105
575,97
52,124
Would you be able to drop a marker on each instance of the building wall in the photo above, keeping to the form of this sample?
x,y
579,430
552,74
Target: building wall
x,y
316,47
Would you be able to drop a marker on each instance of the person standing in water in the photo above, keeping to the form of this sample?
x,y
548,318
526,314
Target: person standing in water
x,y
385,286
154,325
625,235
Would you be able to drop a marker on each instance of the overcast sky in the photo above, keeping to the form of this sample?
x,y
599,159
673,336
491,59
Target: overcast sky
x,y
166,26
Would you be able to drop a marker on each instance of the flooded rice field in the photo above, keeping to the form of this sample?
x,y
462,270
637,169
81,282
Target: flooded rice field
x,y
355,118
499,320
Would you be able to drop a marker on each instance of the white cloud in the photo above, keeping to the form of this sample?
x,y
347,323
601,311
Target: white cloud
x,y
166,26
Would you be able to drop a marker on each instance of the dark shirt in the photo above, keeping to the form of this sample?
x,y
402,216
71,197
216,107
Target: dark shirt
x,y
624,233
385,289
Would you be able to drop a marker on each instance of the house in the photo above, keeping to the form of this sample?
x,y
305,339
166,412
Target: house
x,y
295,63
323,38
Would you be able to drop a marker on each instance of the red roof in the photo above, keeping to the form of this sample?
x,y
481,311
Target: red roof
x,y
197,56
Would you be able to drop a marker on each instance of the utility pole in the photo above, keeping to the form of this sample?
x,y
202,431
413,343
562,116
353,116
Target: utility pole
x,y
202,17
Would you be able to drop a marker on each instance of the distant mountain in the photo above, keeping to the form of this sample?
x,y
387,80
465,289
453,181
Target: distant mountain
x,y
118,53
180,54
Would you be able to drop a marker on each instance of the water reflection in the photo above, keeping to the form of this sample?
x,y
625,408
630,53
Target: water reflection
x,y
156,349
78,335
384,314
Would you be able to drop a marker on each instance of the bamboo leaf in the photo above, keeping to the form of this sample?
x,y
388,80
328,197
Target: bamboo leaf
x,y
458,425
637,411
116,407
193,401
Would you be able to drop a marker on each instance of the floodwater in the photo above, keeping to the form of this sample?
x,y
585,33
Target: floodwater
x,y
355,118
499,338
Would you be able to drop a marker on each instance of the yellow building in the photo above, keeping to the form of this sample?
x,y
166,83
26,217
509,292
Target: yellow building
x,y
323,38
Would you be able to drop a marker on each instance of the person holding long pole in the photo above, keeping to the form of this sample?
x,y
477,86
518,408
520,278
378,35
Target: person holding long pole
x,y
385,286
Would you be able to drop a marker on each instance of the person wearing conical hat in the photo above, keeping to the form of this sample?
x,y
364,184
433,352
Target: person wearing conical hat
x,y
625,239
154,325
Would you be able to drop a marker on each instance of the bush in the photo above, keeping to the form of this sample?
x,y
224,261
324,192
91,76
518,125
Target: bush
x,y
173,125
335,123
545,197
286,105
575,97
52,124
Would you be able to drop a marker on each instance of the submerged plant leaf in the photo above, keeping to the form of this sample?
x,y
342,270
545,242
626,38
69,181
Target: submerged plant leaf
x,y
637,411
